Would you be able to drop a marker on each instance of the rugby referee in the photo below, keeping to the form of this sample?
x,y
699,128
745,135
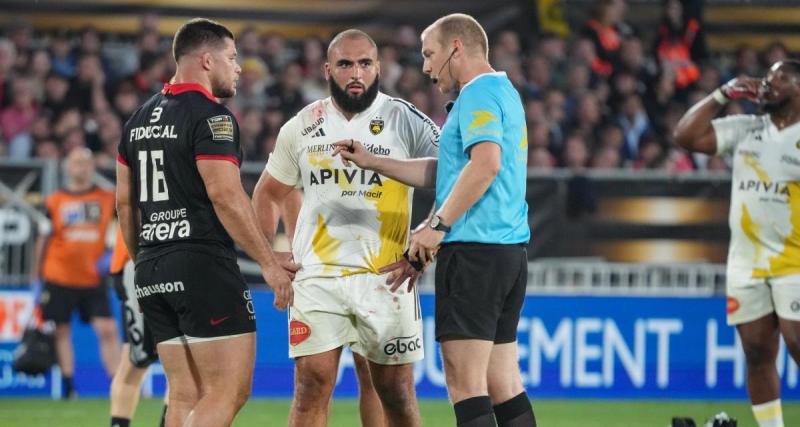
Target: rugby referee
x,y
480,225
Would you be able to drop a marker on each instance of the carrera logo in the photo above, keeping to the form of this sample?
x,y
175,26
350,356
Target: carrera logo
x,y
298,332
732,305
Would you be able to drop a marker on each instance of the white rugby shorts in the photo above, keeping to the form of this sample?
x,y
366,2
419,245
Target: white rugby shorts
x,y
359,311
750,299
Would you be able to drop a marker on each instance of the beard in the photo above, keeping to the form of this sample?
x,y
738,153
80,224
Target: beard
x,y
220,90
775,106
357,103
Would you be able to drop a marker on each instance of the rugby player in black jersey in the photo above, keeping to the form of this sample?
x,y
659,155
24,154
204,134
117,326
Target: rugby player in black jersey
x,y
182,206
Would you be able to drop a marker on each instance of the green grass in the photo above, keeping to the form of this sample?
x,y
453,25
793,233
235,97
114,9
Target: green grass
x,y
268,413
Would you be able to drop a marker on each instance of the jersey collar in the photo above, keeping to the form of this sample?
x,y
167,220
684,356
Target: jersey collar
x,y
491,73
179,88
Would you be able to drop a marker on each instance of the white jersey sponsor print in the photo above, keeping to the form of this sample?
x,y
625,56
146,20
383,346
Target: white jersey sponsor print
x,y
352,220
765,196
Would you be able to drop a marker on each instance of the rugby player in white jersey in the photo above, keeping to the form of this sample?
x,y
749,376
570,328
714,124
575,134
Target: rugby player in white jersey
x,y
763,273
352,224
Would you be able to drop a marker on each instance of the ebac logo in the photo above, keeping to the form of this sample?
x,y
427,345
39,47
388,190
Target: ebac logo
x,y
402,345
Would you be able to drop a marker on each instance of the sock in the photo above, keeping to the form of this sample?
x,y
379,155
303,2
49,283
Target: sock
x,y
163,416
769,414
68,387
120,422
515,412
474,412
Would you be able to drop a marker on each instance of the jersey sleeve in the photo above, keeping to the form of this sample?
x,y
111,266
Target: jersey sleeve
x,y
419,133
216,137
480,117
731,130
283,162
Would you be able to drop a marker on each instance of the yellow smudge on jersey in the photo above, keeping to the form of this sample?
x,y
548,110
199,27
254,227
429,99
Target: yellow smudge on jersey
x,y
482,118
391,202
524,144
325,162
750,229
751,161
325,246
788,261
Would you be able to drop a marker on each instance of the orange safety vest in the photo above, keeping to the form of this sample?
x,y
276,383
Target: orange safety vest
x,y
679,51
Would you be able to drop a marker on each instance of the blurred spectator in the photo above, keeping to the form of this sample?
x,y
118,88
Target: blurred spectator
x,y
634,122
605,158
126,100
251,90
56,87
606,28
251,130
390,69
651,153
659,95
8,56
18,116
274,52
151,76
540,158
776,51
680,44
62,57
538,76
314,85
249,45
285,94
747,63
576,152
86,89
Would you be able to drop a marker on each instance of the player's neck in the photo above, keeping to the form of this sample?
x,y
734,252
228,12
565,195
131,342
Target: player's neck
x,y
785,117
188,76
79,187
347,115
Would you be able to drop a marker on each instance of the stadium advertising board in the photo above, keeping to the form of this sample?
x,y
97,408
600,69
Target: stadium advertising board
x,y
570,347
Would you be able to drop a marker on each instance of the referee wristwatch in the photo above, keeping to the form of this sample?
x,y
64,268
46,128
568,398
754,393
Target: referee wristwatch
x,y
438,225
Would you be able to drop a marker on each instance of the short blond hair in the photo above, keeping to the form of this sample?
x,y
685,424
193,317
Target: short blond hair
x,y
463,27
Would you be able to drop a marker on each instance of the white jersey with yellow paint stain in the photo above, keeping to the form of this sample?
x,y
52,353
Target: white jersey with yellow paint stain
x,y
352,220
765,196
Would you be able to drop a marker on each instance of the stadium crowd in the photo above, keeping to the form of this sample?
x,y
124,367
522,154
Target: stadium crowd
x,y
607,97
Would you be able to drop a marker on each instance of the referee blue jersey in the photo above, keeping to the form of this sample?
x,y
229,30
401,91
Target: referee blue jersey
x,y
487,109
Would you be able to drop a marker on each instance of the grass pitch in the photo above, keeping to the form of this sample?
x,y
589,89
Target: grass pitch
x,y
269,413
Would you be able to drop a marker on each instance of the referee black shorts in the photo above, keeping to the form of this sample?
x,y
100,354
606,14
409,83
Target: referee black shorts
x,y
193,294
480,289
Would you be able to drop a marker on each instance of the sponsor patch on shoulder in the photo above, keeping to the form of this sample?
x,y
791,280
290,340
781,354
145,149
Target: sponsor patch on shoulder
x,y
221,128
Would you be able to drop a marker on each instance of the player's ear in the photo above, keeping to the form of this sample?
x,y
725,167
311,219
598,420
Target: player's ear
x,y
206,60
326,69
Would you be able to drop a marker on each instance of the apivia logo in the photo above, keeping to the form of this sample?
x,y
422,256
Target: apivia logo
x,y
403,345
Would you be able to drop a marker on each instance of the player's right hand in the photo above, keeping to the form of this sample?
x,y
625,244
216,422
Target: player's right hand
x,y
351,150
278,279
399,272
747,88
